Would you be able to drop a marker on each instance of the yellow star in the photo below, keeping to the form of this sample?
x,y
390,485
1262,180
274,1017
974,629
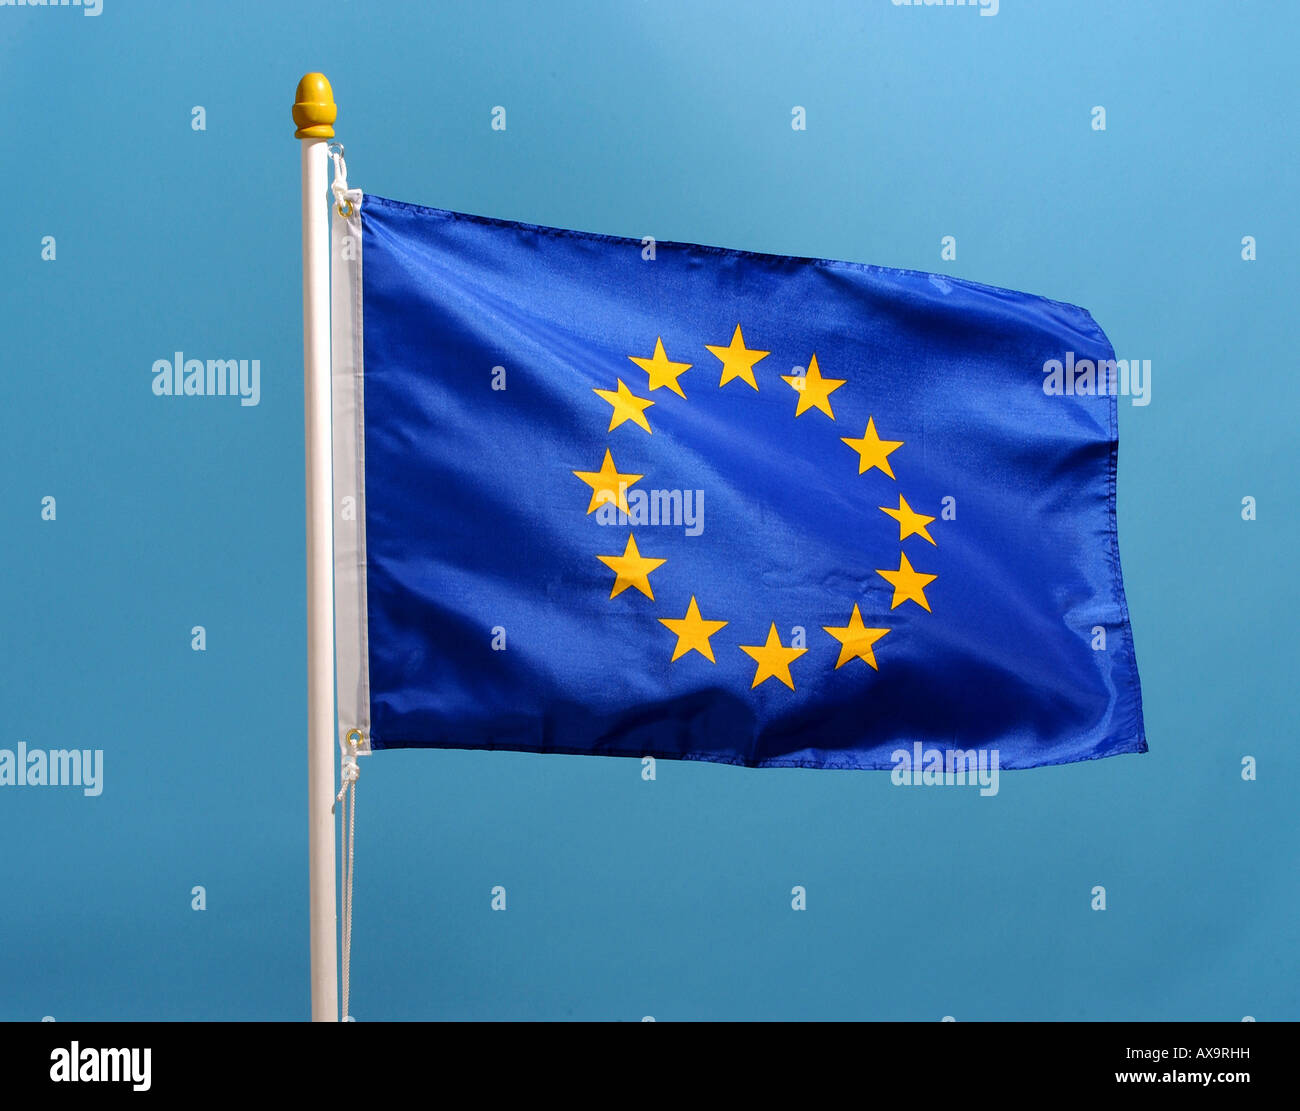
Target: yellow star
x,y
607,485
874,451
773,659
910,523
907,584
814,390
856,640
662,371
631,569
693,632
627,406
737,359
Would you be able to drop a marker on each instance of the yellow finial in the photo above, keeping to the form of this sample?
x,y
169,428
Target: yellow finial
x,y
314,110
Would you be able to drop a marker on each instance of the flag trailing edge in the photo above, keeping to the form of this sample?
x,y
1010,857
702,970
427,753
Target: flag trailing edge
x,y
908,540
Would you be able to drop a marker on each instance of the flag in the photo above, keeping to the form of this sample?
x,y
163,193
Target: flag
x,y
601,495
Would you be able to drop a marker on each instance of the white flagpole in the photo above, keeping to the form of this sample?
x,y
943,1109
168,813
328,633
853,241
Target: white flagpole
x,y
314,113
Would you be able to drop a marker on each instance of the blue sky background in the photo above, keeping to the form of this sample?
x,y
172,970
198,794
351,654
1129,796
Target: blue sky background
x,y
629,898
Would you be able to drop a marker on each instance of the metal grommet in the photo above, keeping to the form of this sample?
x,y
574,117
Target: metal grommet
x,y
345,213
355,738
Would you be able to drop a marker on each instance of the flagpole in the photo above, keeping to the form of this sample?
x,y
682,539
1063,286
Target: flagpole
x,y
314,113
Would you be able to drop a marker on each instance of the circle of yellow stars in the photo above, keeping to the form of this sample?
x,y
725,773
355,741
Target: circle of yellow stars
x,y
632,570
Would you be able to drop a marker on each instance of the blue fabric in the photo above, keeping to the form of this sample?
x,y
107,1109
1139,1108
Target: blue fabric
x,y
478,530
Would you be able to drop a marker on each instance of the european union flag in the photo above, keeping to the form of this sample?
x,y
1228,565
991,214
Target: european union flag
x,y
610,496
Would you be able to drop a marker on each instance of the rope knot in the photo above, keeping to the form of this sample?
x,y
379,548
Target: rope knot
x,y
349,773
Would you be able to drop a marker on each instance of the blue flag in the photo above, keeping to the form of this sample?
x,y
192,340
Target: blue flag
x,y
606,496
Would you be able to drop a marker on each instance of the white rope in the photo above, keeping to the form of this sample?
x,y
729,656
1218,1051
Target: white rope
x,y
345,199
349,773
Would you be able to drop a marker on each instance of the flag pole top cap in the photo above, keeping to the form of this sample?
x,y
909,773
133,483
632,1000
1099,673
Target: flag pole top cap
x,y
314,110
